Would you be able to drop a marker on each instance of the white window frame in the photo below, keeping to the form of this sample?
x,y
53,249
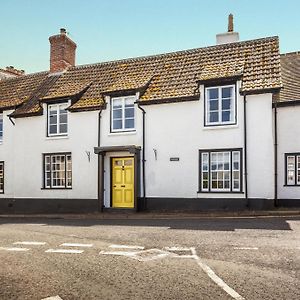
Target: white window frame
x,y
205,184
1,131
234,104
123,100
294,169
58,106
67,171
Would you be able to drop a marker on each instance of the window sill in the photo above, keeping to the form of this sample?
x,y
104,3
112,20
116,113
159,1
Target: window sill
x,y
57,137
219,192
220,126
131,132
60,188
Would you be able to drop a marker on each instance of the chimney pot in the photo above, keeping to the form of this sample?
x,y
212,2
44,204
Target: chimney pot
x,y
63,31
230,23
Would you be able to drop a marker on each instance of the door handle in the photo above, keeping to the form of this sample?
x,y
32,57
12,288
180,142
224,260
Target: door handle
x,y
115,186
123,185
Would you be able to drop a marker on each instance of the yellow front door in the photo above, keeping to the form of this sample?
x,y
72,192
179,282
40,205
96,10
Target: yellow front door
x,y
123,182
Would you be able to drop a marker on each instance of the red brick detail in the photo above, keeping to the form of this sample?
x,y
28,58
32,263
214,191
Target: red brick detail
x,y
62,52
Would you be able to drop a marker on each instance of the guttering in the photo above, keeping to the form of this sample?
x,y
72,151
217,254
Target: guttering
x,y
11,120
275,157
245,150
143,159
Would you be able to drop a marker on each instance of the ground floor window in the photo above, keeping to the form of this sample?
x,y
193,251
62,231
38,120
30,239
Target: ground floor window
x,y
1,177
57,170
220,170
292,169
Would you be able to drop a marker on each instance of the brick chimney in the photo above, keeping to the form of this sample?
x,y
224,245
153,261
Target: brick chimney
x,y
230,36
62,52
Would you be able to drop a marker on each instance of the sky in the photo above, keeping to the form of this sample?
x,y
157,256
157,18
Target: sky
x,y
107,30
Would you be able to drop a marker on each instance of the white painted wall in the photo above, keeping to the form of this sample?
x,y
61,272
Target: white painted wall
x,y
288,142
25,143
260,146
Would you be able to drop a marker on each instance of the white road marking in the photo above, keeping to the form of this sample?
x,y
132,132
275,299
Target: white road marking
x,y
215,278
53,298
177,249
120,253
69,251
36,224
14,249
245,248
160,254
126,247
76,245
30,243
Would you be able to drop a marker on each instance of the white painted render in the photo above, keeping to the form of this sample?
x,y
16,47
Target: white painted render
x,y
172,130
288,142
260,146
23,147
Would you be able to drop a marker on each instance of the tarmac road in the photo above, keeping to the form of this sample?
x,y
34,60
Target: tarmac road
x,y
205,258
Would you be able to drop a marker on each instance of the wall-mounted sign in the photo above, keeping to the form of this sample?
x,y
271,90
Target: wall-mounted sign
x,y
174,158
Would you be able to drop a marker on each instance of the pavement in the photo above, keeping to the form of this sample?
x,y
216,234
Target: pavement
x,y
172,257
163,215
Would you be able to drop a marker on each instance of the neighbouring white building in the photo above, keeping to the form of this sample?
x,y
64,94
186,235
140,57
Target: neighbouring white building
x,y
201,129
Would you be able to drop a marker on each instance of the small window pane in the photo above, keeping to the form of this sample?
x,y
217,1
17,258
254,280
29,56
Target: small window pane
x,y
291,170
213,93
117,103
213,117
117,114
226,104
63,118
226,115
129,123
227,92
52,129
63,128
129,112
117,124
213,105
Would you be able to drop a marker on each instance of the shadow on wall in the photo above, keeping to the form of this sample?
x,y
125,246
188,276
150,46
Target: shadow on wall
x,y
211,224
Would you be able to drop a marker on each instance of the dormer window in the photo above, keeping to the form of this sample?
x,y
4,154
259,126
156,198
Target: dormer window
x,y
220,104
57,119
123,114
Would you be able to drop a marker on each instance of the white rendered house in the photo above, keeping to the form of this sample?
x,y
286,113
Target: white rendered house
x,y
189,130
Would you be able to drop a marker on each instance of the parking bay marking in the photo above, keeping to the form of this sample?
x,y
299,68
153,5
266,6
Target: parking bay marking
x,y
53,298
245,248
30,243
127,247
14,249
76,245
66,251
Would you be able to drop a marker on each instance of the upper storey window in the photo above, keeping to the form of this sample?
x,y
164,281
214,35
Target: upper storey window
x,y
57,119
122,114
220,104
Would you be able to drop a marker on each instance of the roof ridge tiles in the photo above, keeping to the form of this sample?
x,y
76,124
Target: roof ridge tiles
x,y
167,54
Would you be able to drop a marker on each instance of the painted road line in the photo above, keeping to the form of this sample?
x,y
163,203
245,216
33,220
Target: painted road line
x,y
68,251
30,243
215,278
76,245
126,247
245,248
177,249
153,254
53,298
14,249
120,253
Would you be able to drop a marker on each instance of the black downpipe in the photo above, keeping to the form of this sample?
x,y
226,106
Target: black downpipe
x,y
100,168
245,151
144,160
10,119
275,157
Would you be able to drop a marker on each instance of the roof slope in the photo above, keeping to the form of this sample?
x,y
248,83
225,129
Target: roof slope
x,y
14,91
158,77
290,70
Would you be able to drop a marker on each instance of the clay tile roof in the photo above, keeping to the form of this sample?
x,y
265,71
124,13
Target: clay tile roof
x,y
14,91
32,106
160,77
290,72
